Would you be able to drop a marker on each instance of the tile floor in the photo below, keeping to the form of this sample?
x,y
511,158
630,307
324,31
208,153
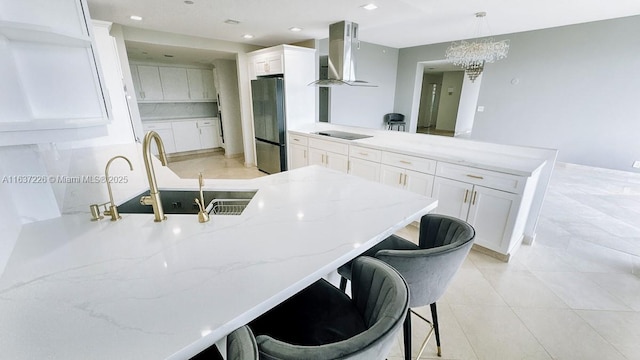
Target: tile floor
x,y
574,294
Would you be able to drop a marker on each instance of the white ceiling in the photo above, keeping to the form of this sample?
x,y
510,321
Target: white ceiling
x,y
396,23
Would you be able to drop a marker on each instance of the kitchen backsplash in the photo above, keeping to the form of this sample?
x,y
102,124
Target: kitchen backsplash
x,y
177,110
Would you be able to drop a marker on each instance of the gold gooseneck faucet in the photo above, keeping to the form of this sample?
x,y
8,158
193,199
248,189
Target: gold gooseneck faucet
x,y
153,198
113,210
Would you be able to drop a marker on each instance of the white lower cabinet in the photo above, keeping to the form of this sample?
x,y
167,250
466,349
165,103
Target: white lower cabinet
x,y
413,181
297,156
186,135
330,154
491,212
209,137
366,169
298,151
407,172
364,162
329,159
163,128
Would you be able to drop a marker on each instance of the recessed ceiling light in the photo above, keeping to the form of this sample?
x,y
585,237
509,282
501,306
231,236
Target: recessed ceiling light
x,y
369,6
135,17
232,22
167,55
247,36
188,2
295,29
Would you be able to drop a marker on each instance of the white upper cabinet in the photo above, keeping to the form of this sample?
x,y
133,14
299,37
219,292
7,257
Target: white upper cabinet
x,y
50,82
174,83
150,84
201,86
156,83
196,86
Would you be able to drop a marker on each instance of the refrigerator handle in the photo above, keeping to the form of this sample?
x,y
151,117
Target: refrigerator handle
x,y
221,127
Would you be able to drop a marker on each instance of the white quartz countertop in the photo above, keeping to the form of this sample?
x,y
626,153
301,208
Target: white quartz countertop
x,y
502,158
135,289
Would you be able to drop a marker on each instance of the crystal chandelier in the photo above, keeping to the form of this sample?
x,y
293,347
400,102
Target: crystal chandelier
x,y
472,55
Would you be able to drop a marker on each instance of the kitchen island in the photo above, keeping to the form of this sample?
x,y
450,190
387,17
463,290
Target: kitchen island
x,y
499,189
136,289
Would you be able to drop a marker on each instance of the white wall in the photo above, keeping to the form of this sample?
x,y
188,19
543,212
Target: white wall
x,y
366,106
467,108
449,100
573,88
227,80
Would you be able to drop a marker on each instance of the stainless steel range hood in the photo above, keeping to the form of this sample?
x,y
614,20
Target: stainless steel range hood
x,y
343,45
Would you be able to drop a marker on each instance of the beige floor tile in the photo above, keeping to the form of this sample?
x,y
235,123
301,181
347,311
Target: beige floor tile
x,y
469,287
496,332
621,329
565,335
580,292
625,287
522,289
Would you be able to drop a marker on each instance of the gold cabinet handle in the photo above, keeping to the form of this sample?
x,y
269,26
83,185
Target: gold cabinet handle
x,y
405,162
475,176
473,201
363,154
400,180
304,156
405,179
466,195
296,139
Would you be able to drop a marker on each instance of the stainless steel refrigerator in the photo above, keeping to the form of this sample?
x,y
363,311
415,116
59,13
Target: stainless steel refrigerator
x,y
269,124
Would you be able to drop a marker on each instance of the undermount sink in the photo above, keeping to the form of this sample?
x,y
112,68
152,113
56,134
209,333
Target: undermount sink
x,y
183,202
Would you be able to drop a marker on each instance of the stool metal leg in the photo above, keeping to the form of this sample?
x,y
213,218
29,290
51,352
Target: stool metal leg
x,y
434,316
407,336
343,284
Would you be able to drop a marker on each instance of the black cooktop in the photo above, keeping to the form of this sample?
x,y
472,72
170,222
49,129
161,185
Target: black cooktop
x,y
342,135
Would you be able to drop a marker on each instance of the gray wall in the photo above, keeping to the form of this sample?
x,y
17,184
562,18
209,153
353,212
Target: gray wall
x,y
574,88
366,106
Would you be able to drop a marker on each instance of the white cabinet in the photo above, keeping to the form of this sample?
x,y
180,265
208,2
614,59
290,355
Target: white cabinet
x,y
208,133
407,172
364,162
155,83
201,84
298,150
492,212
329,154
50,83
270,63
164,129
186,135
150,83
175,85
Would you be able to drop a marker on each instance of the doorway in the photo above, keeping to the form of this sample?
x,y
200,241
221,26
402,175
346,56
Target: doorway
x,y
444,100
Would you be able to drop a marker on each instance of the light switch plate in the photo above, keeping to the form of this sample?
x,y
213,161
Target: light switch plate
x,y
480,108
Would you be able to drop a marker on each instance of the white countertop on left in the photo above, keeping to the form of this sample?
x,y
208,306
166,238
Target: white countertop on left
x,y
135,289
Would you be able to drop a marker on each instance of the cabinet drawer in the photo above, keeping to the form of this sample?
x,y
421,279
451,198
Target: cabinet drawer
x,y
415,163
364,153
157,125
491,179
298,139
331,146
205,122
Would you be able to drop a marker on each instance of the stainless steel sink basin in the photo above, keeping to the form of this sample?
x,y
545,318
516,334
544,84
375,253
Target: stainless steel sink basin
x,y
182,202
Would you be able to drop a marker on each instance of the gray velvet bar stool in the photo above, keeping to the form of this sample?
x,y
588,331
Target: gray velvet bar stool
x,y
428,267
241,345
322,323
